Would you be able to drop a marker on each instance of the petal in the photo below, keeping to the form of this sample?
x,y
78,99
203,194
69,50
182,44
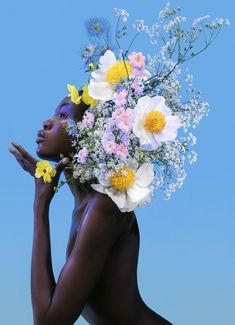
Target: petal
x,y
38,172
53,172
100,90
98,188
137,193
99,75
107,60
147,199
119,197
133,164
173,121
145,175
169,133
129,205
158,103
105,180
144,102
144,136
47,178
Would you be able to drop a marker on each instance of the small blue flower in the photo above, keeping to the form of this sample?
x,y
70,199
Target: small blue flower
x,y
97,27
88,53
71,127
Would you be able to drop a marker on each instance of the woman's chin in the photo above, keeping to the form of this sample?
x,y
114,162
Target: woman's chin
x,y
46,156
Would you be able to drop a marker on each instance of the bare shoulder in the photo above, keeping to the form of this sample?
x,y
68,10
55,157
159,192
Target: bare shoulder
x,y
103,213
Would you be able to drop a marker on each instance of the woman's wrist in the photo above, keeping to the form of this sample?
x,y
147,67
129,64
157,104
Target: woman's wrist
x,y
40,205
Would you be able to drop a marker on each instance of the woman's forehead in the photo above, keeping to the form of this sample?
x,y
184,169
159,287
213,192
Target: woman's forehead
x,y
66,105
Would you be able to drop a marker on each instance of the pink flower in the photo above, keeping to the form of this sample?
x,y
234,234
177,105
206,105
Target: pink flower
x,y
82,155
135,85
124,119
121,98
118,113
109,146
138,73
137,60
88,119
121,151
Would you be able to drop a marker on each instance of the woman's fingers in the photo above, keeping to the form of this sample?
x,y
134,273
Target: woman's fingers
x,y
27,162
24,153
18,157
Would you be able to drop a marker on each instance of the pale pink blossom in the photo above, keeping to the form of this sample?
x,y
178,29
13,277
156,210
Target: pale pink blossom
x,y
138,72
136,87
88,119
121,98
117,113
124,119
137,60
121,151
109,146
82,155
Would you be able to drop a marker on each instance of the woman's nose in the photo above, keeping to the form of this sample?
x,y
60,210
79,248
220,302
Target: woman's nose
x,y
47,125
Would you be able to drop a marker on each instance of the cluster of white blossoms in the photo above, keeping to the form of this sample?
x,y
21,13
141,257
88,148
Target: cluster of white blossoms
x,y
135,135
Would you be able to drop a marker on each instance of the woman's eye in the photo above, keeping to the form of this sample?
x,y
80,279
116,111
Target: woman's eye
x,y
63,115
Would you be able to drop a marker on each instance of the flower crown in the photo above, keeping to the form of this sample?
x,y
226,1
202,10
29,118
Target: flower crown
x,y
134,137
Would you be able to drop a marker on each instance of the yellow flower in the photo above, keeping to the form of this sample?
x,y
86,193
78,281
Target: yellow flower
x,y
74,94
86,98
45,170
91,67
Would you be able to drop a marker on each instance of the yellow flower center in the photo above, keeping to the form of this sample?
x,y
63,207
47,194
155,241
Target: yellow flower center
x,y
118,71
122,179
154,122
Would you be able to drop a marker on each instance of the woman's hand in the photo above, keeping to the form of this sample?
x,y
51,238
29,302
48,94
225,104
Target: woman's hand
x,y
44,192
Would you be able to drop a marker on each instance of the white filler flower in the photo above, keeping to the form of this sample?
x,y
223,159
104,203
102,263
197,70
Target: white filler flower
x,y
154,122
128,186
109,74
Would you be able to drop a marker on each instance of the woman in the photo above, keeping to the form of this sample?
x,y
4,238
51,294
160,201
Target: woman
x,y
99,278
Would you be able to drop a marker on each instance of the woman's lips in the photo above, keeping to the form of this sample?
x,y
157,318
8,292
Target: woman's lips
x,y
40,139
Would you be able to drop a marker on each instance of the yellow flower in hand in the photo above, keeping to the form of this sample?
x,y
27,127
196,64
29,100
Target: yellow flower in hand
x,y
74,94
86,98
45,170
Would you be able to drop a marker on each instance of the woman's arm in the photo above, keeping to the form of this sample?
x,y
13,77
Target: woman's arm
x,y
42,277
62,303
101,226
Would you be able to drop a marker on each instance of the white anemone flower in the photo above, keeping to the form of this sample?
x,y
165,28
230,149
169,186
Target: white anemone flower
x,y
129,186
154,122
109,74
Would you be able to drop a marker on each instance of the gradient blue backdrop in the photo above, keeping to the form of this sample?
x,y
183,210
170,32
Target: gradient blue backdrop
x,y
187,263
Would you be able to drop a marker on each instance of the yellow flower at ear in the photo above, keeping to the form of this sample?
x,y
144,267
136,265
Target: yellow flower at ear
x,y
74,94
86,98
45,170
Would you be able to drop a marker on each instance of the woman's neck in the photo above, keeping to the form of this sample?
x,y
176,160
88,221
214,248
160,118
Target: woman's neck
x,y
80,194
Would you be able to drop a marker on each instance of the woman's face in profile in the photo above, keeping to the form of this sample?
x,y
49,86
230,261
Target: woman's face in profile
x,y
53,140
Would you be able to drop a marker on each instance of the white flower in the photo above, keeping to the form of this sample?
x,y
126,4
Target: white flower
x,y
128,186
121,13
109,74
154,122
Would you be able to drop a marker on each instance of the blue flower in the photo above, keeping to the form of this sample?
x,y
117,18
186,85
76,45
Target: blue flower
x,y
88,53
71,127
97,28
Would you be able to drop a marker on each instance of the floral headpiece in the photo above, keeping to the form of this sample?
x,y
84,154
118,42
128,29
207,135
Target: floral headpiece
x,y
135,138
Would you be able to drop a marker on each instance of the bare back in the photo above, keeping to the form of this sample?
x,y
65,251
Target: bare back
x,y
116,298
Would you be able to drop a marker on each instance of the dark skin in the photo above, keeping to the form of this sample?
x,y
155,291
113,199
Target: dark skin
x,y
99,277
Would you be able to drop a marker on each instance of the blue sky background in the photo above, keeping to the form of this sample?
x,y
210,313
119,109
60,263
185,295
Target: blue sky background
x,y
187,261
